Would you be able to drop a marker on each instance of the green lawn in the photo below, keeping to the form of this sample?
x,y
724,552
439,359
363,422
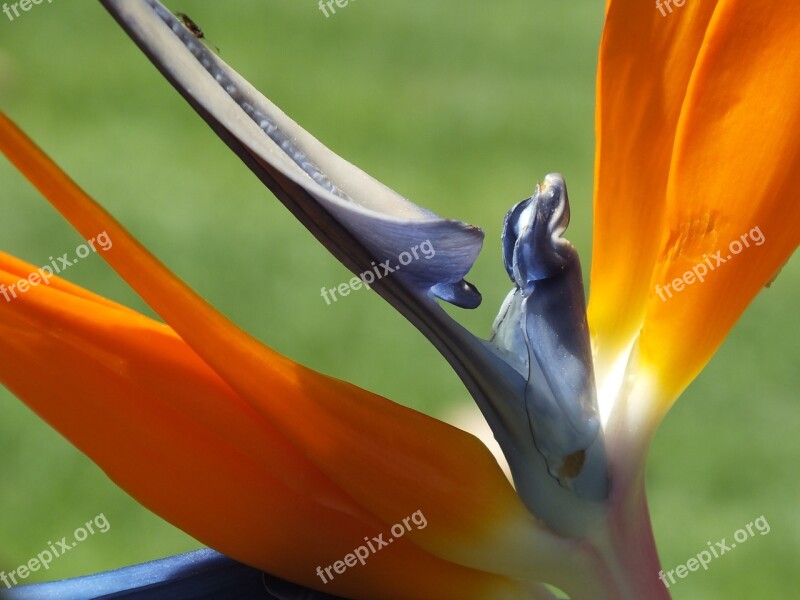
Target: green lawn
x,y
461,108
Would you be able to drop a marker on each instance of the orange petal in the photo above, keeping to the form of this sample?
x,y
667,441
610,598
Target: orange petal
x,y
389,459
733,186
646,61
697,146
132,395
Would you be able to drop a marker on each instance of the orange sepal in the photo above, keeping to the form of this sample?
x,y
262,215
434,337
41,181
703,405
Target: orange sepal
x,y
646,61
698,114
733,187
129,393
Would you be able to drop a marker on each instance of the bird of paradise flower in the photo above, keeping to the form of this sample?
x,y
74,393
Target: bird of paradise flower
x,y
338,463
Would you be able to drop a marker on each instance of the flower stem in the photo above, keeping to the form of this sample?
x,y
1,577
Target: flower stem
x,y
618,558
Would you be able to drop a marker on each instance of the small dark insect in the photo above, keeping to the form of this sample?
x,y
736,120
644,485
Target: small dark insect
x,y
193,27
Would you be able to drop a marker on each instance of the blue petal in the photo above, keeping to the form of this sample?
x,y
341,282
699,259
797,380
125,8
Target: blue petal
x,y
543,324
203,574
361,221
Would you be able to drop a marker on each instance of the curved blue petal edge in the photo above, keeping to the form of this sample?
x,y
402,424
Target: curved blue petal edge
x,y
202,574
363,223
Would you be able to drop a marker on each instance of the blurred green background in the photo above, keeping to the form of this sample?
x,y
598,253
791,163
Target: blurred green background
x,y
461,108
